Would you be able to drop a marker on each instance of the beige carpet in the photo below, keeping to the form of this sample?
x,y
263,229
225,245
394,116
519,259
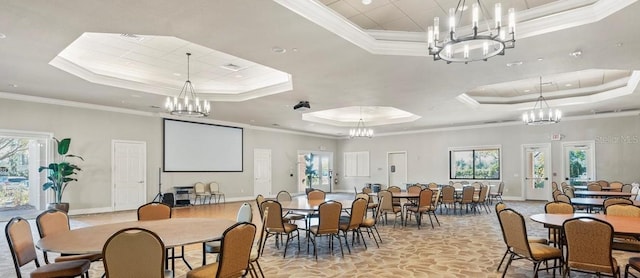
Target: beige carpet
x,y
465,245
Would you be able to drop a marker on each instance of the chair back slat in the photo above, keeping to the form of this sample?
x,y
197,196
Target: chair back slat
x,y
123,250
589,243
329,217
154,211
18,233
237,242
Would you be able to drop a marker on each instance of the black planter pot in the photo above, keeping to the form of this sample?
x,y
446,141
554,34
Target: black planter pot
x,y
59,206
307,190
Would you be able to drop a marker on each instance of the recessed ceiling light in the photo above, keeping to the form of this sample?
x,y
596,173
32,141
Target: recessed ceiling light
x,y
366,2
527,90
540,59
238,75
177,74
13,85
619,44
2,36
279,50
576,53
568,85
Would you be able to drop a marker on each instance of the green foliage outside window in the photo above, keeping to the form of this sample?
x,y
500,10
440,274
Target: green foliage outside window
x,y
475,164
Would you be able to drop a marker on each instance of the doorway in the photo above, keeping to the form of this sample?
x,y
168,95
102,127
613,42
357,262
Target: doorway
x,y
129,168
579,162
315,170
262,172
536,165
397,169
21,154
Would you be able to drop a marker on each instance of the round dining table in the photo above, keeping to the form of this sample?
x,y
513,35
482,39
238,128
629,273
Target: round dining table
x,y
587,193
593,202
624,225
174,232
584,187
303,204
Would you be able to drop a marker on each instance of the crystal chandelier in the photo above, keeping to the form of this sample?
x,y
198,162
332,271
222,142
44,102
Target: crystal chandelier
x,y
360,131
541,115
456,48
187,103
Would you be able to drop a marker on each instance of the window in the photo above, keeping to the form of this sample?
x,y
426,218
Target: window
x,y
356,164
482,163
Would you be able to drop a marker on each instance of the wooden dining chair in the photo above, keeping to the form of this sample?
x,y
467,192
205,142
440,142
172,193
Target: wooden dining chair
x,y
158,211
328,225
395,189
627,243
634,263
285,196
497,196
594,186
515,236
275,226
352,223
234,261
316,194
18,234
467,198
424,206
615,200
370,225
557,207
589,246
500,206
259,200
216,192
616,186
385,200
123,251
54,221
245,214
200,192
256,249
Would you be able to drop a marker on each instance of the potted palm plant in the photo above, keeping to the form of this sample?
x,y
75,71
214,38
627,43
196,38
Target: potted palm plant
x,y
309,171
60,173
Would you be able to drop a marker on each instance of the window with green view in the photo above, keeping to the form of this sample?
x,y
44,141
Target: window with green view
x,y
476,164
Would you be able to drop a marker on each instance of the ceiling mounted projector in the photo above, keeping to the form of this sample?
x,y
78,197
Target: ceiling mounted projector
x,y
302,106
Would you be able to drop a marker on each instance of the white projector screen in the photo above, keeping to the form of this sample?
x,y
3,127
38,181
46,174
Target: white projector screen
x,y
200,147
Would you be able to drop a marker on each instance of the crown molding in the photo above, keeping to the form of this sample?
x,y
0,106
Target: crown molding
x,y
548,18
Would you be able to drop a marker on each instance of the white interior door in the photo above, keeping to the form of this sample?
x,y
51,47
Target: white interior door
x,y
537,166
262,172
397,168
129,168
579,162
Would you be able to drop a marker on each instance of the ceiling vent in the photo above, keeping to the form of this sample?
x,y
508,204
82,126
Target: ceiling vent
x,y
303,105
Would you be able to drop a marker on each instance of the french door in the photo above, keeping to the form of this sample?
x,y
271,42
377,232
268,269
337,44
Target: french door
x,y
536,167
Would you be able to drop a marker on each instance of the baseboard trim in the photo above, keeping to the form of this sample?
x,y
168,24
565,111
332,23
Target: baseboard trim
x,y
90,210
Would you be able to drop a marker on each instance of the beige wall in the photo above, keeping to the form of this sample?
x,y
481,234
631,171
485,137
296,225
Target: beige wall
x,y
427,152
92,132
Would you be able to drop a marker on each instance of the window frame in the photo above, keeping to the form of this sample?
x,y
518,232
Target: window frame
x,y
473,150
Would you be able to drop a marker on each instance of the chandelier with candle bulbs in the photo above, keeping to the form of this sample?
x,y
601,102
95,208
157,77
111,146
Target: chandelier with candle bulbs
x,y
479,45
360,131
187,102
541,113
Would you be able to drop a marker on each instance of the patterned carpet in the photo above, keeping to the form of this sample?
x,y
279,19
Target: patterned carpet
x,y
464,245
